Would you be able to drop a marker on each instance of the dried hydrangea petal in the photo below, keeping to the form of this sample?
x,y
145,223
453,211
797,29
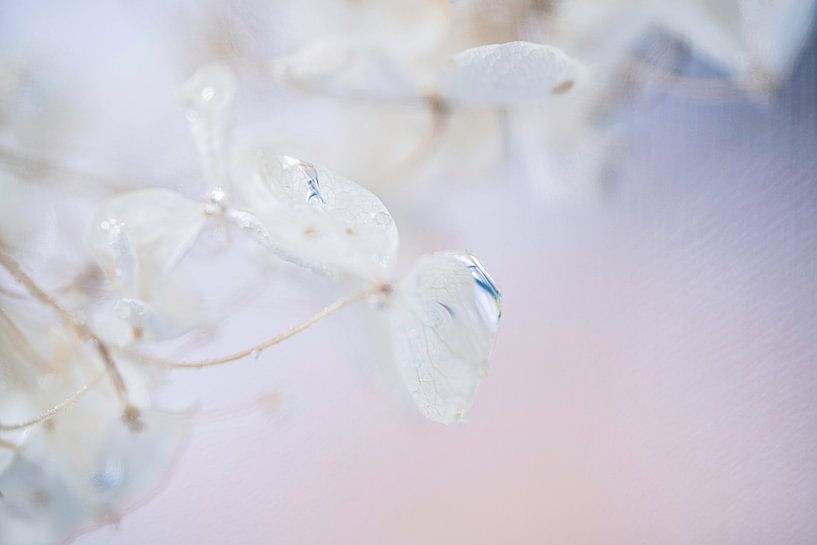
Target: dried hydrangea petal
x,y
165,319
57,486
160,226
208,95
38,506
316,218
503,74
129,465
444,320
346,68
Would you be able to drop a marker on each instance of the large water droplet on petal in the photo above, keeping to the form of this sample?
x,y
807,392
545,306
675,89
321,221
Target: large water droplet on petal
x,y
309,174
444,321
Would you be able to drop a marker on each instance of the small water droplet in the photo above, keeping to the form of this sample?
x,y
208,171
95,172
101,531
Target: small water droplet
x,y
256,354
309,174
382,219
215,202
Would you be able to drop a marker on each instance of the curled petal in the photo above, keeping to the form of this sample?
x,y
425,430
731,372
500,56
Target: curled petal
x,y
256,230
504,74
155,322
208,95
153,227
444,320
316,218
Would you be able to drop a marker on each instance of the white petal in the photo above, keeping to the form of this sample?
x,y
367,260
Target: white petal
x,y
160,226
316,218
503,74
776,32
345,68
23,214
155,322
38,506
87,470
444,320
208,95
130,465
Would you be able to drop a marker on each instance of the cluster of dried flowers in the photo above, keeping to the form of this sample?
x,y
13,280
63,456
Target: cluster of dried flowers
x,y
444,315
61,375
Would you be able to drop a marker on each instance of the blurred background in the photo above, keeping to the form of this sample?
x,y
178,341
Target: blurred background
x,y
655,375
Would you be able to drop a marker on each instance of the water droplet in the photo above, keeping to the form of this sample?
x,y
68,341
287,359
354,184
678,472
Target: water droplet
x,y
111,476
256,354
382,219
309,174
489,298
215,201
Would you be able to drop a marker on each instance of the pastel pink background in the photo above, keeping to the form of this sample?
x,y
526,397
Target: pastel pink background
x,y
654,381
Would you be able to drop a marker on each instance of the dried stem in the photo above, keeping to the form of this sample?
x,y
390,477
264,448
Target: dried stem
x,y
79,327
257,349
30,166
131,414
50,413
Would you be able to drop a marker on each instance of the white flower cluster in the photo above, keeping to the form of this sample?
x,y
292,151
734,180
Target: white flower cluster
x,y
54,479
562,142
312,217
60,377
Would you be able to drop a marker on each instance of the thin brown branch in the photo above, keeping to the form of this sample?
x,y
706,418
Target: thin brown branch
x,y
79,327
257,349
50,413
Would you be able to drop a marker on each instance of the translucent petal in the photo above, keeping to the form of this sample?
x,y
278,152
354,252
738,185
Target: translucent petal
x,y
208,95
38,506
316,218
153,322
255,229
160,226
345,68
444,320
128,465
23,214
503,74
86,470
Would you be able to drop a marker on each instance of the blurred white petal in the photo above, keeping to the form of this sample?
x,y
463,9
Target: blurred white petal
x,y
346,68
503,74
23,216
208,95
160,225
38,507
